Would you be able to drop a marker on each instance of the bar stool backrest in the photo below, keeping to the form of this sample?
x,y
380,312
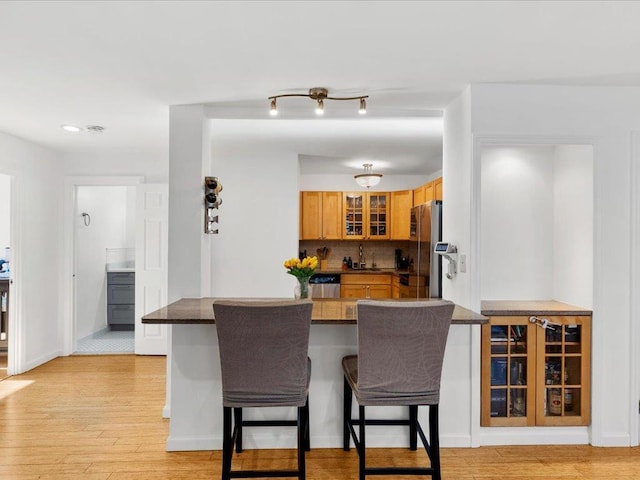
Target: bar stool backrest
x,y
400,351
263,352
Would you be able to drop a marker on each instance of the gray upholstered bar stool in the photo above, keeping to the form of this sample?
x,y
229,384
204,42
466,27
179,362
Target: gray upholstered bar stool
x,y
400,353
264,362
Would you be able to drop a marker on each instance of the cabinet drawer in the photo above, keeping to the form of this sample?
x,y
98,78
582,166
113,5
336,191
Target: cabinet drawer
x,y
121,278
121,294
365,279
120,314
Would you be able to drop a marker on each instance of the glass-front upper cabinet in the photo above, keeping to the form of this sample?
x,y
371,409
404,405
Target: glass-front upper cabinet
x,y
366,215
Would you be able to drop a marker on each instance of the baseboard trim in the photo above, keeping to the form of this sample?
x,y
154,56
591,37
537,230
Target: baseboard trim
x,y
614,440
40,361
535,436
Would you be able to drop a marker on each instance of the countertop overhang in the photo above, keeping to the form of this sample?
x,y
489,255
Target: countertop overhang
x,y
327,311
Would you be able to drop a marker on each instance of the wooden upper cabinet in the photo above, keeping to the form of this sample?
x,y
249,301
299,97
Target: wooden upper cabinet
x,y
427,192
331,215
401,203
320,215
419,195
437,189
366,215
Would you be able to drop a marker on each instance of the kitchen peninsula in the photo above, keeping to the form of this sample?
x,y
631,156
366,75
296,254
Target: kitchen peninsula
x,y
194,399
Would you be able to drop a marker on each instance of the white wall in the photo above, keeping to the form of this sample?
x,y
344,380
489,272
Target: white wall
x,y
155,168
112,215
573,225
457,194
517,223
460,379
5,211
35,253
258,218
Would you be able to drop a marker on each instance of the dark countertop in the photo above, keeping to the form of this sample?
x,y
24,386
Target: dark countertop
x,y
327,311
503,308
391,271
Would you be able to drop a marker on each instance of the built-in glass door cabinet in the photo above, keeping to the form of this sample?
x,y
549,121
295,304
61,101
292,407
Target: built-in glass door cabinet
x,y
535,371
563,370
508,372
366,215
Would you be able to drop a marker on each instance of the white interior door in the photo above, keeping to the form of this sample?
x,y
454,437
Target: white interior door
x,y
152,216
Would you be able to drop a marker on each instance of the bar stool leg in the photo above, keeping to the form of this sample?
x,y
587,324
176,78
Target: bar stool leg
x,y
346,416
362,443
413,429
301,443
227,444
434,440
307,428
238,425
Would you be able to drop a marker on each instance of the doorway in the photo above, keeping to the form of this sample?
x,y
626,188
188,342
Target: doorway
x,y
104,269
5,237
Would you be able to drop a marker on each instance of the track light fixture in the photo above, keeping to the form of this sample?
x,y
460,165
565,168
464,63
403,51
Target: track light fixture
x,y
319,94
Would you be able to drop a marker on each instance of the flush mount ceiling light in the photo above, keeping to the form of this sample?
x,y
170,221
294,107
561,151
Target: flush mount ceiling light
x,y
368,178
88,128
318,94
71,128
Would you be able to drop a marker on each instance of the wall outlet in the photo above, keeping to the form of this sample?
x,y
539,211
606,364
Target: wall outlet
x,y
463,263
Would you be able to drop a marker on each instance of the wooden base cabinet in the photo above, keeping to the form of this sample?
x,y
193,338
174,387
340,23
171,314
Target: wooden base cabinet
x,y
536,376
356,285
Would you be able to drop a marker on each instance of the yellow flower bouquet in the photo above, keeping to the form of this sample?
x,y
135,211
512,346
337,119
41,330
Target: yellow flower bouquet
x,y
302,270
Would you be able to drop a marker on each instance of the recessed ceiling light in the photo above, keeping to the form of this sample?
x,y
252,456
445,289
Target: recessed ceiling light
x,y
71,128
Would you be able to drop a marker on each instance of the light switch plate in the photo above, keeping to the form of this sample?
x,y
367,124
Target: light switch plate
x,y
463,263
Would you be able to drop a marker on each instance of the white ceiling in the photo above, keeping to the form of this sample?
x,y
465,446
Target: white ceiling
x,y
121,64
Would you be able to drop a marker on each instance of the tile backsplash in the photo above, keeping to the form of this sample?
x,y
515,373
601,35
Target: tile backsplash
x,y
383,251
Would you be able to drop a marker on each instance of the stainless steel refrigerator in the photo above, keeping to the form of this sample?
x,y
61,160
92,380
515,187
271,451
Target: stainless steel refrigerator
x,y
426,231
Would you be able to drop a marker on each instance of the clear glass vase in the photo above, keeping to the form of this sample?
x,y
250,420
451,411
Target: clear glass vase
x,y
302,289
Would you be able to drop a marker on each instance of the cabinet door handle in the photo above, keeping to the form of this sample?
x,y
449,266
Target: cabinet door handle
x,y
543,322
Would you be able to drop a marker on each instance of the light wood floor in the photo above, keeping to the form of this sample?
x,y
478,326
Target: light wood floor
x,y
99,418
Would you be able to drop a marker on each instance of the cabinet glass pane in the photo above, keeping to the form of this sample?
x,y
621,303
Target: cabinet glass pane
x,y
553,402
571,400
499,370
499,339
518,339
499,402
518,402
572,338
572,371
518,371
553,371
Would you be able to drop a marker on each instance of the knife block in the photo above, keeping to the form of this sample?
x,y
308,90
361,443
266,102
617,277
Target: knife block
x,y
323,264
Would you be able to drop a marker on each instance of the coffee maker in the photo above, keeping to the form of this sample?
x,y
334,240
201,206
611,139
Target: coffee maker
x,y
402,263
